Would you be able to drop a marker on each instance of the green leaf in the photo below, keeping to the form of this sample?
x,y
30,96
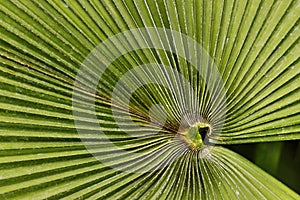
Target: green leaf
x,y
166,67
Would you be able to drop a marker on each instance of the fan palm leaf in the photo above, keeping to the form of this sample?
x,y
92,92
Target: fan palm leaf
x,y
137,99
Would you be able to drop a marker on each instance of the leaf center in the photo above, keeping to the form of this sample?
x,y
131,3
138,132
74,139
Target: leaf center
x,y
195,134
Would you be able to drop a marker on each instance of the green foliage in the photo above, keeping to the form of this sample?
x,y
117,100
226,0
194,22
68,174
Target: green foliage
x,y
44,45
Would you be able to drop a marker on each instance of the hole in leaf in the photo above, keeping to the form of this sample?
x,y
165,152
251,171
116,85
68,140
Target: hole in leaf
x,y
203,131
